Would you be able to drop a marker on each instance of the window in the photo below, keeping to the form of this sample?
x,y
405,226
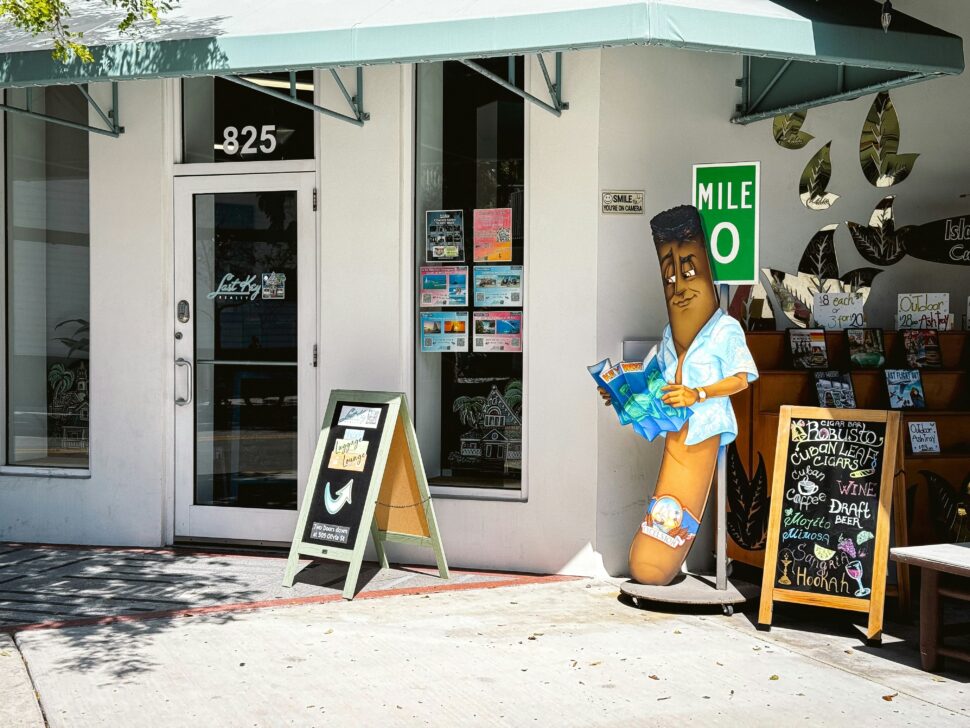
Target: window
x,y
225,122
469,274
47,282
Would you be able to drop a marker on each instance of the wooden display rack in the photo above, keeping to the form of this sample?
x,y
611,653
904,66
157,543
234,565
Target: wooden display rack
x,y
947,403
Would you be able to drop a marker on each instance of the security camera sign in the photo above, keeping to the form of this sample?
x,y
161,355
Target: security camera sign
x,y
622,202
726,196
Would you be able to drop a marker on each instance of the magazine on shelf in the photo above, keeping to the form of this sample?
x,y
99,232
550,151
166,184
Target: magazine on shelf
x,y
835,389
922,348
905,389
808,349
866,348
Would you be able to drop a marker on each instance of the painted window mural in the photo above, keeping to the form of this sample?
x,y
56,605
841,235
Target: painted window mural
x,y
469,274
47,283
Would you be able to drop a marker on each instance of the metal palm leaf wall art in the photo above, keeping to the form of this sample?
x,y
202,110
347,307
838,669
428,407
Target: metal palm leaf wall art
x,y
787,130
815,179
881,163
941,241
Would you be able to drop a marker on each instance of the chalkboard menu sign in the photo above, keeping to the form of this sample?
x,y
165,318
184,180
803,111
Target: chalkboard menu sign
x,y
828,533
367,479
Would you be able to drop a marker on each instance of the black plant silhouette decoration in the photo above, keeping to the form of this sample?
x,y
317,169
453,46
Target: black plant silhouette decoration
x,y
747,521
880,242
818,272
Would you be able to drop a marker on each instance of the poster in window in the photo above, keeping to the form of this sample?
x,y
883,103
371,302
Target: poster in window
x,y
498,331
444,331
445,235
498,285
444,285
493,235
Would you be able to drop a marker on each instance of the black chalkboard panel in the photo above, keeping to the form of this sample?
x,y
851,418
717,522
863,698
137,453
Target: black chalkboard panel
x,y
346,471
830,506
837,474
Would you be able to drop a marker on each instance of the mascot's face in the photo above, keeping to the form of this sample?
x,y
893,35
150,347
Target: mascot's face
x,y
688,284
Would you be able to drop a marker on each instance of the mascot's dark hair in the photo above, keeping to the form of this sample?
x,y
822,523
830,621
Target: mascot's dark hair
x,y
677,224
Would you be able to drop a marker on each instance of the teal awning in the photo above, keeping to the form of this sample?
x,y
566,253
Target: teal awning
x,y
231,37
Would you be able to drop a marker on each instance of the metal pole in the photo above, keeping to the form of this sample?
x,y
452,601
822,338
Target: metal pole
x,y
721,536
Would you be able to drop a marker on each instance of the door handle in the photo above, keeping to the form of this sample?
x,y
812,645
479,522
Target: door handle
x,y
182,401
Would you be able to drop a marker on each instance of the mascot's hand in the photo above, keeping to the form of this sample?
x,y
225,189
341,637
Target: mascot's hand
x,y
607,399
677,395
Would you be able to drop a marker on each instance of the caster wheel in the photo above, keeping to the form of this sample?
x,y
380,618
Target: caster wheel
x,y
728,610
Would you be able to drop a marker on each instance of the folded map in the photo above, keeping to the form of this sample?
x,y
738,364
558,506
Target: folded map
x,y
635,393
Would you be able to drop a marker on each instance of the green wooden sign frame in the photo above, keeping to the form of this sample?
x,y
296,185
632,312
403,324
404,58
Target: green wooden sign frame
x,y
397,409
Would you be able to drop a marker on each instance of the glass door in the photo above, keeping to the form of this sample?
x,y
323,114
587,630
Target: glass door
x,y
245,384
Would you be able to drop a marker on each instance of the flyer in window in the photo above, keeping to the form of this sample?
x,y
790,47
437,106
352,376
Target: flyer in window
x,y
445,235
444,331
493,235
498,331
498,285
444,285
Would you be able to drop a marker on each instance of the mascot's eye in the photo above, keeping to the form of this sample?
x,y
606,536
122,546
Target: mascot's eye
x,y
690,273
671,279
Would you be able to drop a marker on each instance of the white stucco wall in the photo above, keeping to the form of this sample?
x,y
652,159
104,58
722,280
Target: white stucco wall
x,y
663,111
556,529
131,451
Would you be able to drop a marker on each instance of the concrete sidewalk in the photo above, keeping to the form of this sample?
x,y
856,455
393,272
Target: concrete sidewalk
x,y
565,653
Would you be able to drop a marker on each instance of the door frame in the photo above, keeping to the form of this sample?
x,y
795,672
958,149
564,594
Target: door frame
x,y
228,524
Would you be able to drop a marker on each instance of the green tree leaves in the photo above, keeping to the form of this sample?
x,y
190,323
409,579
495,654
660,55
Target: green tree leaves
x,y
52,17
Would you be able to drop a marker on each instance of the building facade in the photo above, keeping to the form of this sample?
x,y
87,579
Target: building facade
x,y
180,300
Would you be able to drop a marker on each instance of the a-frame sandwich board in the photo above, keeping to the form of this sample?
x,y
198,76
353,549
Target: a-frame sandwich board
x,y
367,478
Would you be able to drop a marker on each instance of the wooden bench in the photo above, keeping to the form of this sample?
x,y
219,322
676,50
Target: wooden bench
x,y
934,560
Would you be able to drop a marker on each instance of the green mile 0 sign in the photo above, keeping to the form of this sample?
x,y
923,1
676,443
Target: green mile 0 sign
x,y
726,195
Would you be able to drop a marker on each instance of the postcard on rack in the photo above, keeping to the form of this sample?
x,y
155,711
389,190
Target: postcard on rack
x,y
498,331
808,349
866,348
922,347
444,331
923,437
498,285
445,285
444,235
492,236
905,389
835,389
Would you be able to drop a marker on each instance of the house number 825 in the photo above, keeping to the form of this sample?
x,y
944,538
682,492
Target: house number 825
x,y
236,141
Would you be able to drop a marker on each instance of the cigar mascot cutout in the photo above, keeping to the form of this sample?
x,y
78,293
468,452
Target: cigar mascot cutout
x,y
705,359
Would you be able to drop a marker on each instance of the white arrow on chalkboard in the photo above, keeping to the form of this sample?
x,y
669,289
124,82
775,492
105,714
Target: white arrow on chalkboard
x,y
343,497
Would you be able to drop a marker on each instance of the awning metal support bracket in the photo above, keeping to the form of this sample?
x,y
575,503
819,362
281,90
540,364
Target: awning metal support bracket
x,y
356,103
109,117
555,87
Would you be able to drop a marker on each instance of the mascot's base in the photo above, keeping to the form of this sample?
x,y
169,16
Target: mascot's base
x,y
691,589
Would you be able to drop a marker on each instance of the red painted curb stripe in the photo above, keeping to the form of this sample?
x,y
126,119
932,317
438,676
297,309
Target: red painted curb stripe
x,y
295,601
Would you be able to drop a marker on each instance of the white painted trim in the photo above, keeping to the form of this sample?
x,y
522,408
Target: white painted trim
x,y
171,137
215,169
31,472
408,109
479,494
526,273
3,287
